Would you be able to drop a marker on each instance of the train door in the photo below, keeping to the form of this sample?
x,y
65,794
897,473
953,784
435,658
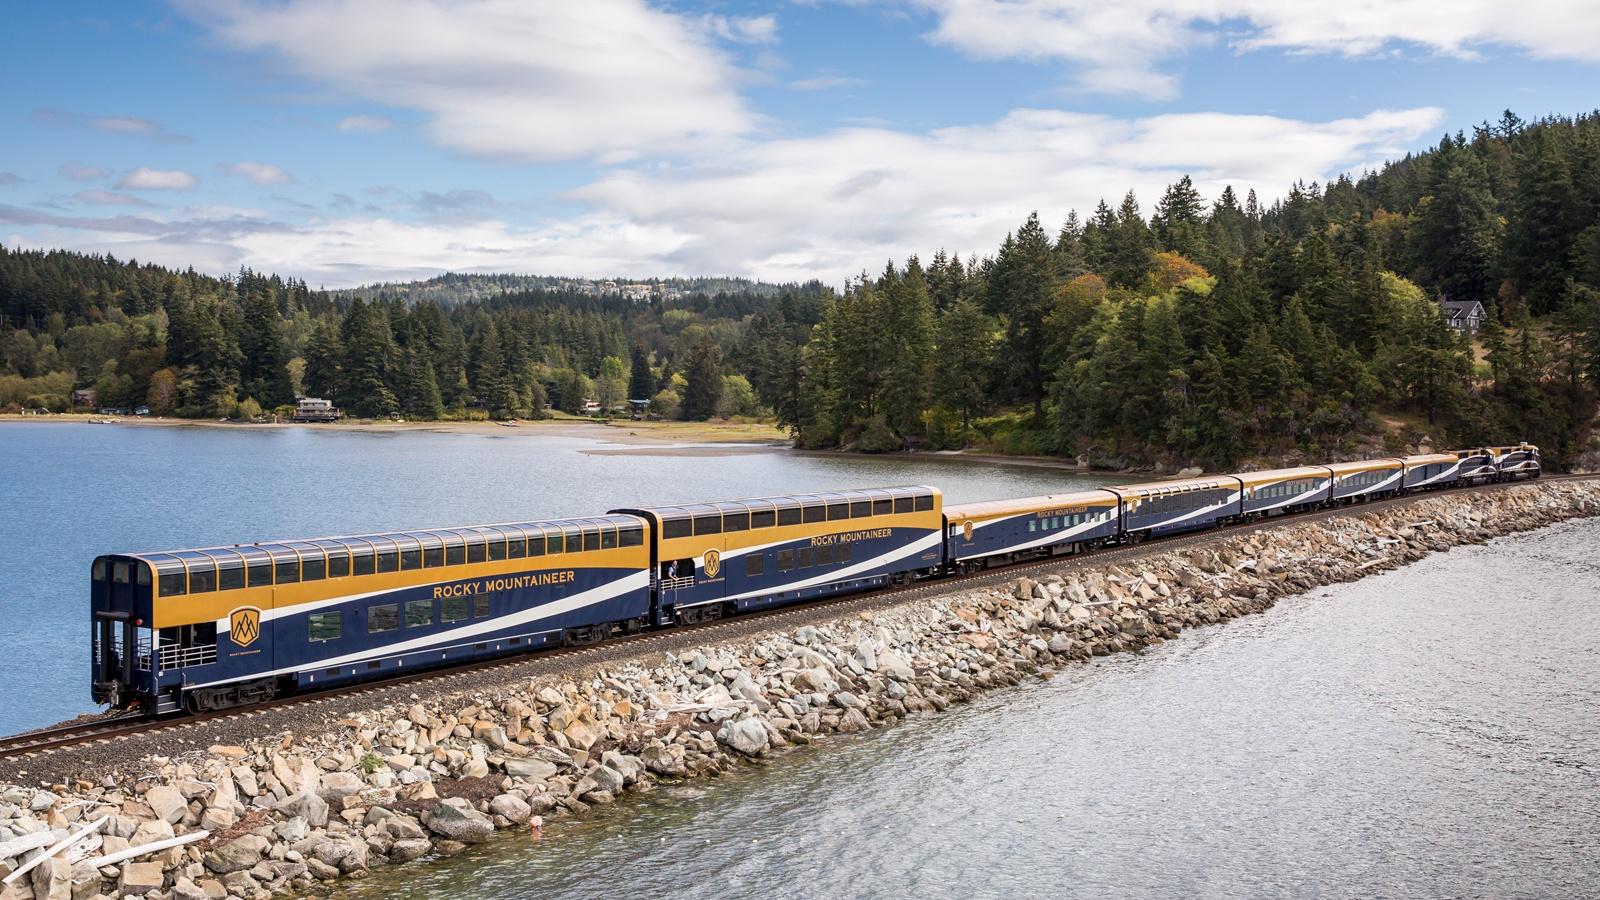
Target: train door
x,y
119,599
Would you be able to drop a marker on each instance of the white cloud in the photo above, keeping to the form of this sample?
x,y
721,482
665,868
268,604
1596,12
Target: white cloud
x,y
143,179
126,125
109,198
1118,47
536,81
744,30
259,172
81,172
825,83
826,206
369,124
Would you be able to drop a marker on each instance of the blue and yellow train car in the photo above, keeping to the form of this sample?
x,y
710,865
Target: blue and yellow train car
x,y
1477,466
1278,491
1430,471
1168,507
1002,531
1515,462
1366,480
222,626
712,559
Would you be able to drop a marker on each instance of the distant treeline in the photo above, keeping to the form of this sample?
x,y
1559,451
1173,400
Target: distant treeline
x,y
1210,331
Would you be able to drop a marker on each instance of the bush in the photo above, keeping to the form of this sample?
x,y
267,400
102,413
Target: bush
x,y
878,437
943,429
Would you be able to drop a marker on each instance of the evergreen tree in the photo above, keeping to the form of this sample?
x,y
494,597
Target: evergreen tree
x,y
1179,222
263,369
1455,230
704,381
1128,254
641,384
1021,286
368,362
965,343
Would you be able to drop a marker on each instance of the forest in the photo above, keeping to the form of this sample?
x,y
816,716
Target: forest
x,y
1210,331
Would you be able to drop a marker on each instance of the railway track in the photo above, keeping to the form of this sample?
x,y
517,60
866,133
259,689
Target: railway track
x,y
52,740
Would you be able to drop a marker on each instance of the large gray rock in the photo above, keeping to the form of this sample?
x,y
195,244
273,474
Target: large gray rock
x,y
531,769
511,807
138,879
338,785
309,806
241,853
457,820
602,778
407,849
167,803
630,767
748,736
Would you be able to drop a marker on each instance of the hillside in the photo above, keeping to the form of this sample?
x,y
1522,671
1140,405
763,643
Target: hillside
x,y
1213,330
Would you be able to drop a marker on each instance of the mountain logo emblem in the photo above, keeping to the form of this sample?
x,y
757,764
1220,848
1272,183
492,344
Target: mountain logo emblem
x,y
966,529
244,625
713,564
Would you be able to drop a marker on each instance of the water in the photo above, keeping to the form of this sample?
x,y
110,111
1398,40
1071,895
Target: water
x,y
1428,732
69,492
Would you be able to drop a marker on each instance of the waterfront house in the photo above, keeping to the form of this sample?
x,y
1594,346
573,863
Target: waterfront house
x,y
1462,315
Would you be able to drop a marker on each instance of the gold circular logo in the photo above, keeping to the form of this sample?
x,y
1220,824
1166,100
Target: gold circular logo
x,y
713,563
244,625
966,529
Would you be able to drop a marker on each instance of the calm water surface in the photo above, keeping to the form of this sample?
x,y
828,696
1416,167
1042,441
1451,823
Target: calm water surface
x,y
1431,732
72,491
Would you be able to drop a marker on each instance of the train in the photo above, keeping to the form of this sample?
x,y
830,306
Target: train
x,y
213,628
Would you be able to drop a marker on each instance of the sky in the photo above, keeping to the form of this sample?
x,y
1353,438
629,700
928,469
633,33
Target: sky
x,y
352,141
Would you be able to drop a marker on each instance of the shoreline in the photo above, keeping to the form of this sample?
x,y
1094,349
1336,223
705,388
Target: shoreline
x,y
354,788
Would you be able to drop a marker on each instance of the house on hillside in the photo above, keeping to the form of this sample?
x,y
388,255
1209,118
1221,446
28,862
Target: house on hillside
x,y
1462,315
83,397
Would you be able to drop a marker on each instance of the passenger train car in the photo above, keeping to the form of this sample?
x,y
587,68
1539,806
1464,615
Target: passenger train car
x,y
218,627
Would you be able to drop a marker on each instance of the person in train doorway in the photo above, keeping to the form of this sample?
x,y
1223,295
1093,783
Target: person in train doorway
x,y
672,569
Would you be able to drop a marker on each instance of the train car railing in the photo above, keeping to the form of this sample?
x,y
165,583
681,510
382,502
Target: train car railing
x,y
681,581
175,657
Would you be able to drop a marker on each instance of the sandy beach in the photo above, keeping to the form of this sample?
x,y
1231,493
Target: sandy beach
x,y
643,434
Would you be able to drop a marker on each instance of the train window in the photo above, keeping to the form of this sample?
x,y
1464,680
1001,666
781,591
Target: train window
x,y
286,571
383,618
497,549
860,509
553,543
882,507
825,556
789,515
411,559
803,558
785,560
924,502
844,553
516,548
632,537
419,613
754,564
313,568
173,584
119,573
591,539
362,563
480,607
677,528
763,518
815,512
388,561
230,578
98,571
536,546
608,538
455,555
453,609
144,574
736,521
260,575
573,538
202,580
838,511
904,504
1033,526
711,524
338,564
476,552
325,626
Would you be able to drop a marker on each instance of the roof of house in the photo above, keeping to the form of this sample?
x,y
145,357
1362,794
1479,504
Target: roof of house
x,y
1462,306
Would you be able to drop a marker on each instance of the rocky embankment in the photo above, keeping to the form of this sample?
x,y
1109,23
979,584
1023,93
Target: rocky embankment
x,y
293,813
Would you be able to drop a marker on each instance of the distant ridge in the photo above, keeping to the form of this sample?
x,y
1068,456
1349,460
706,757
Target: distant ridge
x,y
466,287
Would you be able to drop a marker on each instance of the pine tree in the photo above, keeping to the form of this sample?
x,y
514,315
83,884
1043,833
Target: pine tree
x,y
1021,288
1129,257
641,384
368,363
263,369
1179,221
1454,235
961,378
704,376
